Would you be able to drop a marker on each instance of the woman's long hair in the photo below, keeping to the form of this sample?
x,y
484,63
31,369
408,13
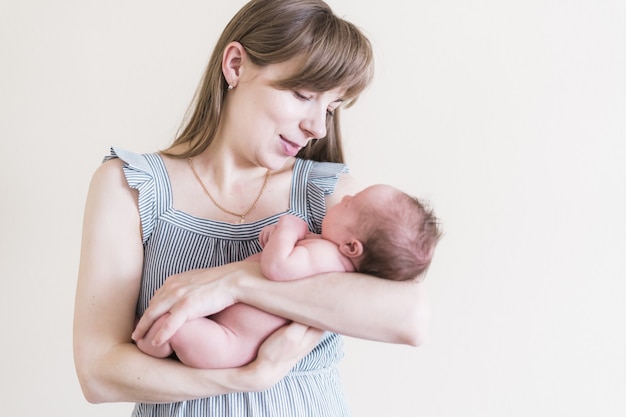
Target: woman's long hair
x,y
335,55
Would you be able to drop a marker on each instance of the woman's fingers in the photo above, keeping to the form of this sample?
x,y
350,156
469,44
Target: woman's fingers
x,y
289,344
164,300
280,352
145,323
190,295
301,334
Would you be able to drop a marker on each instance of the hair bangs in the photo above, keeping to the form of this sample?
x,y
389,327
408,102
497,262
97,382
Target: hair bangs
x,y
337,55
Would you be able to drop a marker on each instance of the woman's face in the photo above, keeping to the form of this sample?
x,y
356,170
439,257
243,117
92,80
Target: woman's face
x,y
271,125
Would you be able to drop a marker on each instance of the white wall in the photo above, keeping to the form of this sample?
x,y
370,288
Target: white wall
x,y
508,115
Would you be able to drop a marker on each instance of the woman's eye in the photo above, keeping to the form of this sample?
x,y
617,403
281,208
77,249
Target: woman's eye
x,y
301,96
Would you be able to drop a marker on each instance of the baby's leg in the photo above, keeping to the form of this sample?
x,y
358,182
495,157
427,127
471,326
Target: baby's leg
x,y
203,343
145,344
230,338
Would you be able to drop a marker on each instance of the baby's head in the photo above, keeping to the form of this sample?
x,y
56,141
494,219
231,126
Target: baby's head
x,y
386,232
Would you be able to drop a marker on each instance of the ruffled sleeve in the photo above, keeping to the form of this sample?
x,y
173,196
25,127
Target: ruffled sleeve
x,y
322,179
140,176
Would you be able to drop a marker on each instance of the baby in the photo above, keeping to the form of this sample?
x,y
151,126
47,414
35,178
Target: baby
x,y
379,231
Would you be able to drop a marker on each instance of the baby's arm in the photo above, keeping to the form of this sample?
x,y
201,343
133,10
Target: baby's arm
x,y
284,259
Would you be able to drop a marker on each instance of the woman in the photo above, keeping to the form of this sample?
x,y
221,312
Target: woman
x,y
265,113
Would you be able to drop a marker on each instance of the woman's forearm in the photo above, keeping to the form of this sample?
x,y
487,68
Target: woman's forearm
x,y
348,303
127,375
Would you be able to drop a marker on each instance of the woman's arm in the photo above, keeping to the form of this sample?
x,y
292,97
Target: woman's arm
x,y
348,303
352,304
108,364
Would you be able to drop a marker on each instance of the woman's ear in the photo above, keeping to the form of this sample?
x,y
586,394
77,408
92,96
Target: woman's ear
x,y
232,61
352,249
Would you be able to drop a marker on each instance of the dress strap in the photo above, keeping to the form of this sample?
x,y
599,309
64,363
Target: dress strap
x,y
146,173
313,181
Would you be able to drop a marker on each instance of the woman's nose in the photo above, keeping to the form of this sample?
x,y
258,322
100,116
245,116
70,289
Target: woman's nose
x,y
315,123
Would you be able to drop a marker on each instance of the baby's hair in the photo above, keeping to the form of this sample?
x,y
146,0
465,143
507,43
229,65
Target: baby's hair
x,y
400,238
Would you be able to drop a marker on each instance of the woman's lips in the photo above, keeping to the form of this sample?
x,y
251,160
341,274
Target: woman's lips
x,y
289,147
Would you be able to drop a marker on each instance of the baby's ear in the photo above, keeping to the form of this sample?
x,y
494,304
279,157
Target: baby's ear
x,y
352,249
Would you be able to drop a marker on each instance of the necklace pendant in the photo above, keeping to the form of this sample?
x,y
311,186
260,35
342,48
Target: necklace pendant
x,y
242,217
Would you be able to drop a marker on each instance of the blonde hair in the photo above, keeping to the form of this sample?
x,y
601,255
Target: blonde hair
x,y
333,52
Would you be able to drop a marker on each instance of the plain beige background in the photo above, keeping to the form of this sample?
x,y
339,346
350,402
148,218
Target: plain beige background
x,y
508,115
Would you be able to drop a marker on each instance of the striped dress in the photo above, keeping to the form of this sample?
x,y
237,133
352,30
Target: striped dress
x,y
175,241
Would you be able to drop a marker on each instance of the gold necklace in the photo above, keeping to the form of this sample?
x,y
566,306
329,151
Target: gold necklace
x,y
242,216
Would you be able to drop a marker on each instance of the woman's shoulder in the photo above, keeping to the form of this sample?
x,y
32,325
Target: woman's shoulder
x,y
140,161
107,173
347,184
321,174
109,187
322,165
141,176
137,168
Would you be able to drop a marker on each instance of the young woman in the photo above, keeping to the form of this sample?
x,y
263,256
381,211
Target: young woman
x,y
168,232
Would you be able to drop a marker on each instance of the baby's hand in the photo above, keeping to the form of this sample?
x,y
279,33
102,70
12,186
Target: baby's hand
x,y
287,222
266,233
293,223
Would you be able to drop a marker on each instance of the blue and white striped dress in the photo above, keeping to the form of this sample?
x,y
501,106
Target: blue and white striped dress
x,y
175,241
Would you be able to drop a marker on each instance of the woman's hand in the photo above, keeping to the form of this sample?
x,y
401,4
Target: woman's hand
x,y
190,295
278,355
